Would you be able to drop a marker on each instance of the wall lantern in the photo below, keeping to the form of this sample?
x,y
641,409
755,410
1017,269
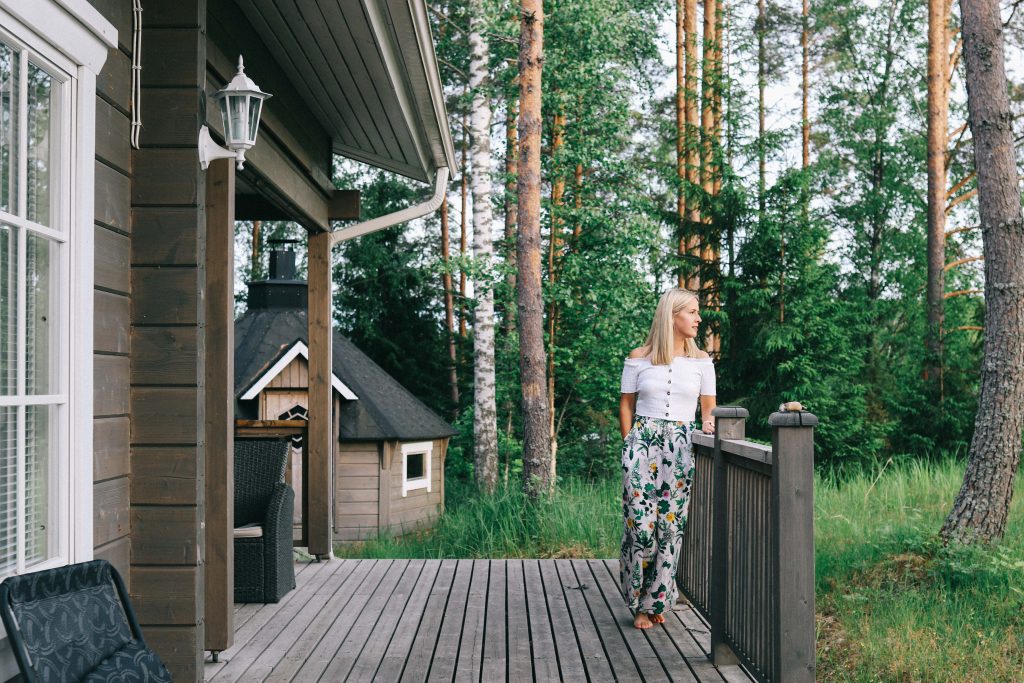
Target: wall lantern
x,y
240,105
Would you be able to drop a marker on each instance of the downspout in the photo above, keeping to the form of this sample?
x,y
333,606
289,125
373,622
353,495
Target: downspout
x,y
320,336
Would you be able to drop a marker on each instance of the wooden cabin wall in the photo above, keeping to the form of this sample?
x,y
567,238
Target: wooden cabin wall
x,y
419,508
112,296
168,236
356,490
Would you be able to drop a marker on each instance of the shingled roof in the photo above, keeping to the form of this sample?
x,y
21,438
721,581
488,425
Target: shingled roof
x,y
384,410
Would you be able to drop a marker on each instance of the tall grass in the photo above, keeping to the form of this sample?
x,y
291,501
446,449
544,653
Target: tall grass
x,y
581,519
893,603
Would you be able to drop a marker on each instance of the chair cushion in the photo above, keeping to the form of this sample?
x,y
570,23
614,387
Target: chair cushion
x,y
249,531
132,663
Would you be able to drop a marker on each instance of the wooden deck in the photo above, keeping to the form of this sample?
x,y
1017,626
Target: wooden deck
x,y
463,620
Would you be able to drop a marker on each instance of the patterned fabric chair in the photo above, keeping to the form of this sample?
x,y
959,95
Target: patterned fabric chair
x,y
75,623
264,504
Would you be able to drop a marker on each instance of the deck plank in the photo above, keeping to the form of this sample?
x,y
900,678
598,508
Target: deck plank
x,y
260,630
422,651
446,654
324,615
630,653
545,659
320,657
495,644
520,656
563,617
659,644
377,620
387,664
471,655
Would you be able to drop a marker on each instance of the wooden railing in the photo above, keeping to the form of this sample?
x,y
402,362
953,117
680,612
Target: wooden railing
x,y
747,559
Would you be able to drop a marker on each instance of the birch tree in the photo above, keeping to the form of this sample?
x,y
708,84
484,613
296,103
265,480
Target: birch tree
x,y
982,506
536,439
485,414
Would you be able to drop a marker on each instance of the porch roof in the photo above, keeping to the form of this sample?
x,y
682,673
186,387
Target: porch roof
x,y
368,72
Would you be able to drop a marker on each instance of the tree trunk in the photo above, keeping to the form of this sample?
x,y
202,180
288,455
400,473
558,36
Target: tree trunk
x,y
692,144
681,140
983,504
536,449
762,77
511,206
554,249
449,311
257,228
464,190
709,132
485,413
938,122
805,85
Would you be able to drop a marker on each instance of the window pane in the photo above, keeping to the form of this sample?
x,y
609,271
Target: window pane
x,y
9,77
40,443
40,316
414,466
42,120
254,117
8,481
8,310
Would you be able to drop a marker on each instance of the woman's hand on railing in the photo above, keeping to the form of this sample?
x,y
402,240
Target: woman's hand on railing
x,y
708,427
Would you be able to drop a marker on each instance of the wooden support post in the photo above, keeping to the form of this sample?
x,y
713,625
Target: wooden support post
x,y
220,405
387,452
321,437
730,423
793,556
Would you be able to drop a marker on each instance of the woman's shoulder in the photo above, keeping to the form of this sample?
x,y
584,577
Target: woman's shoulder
x,y
702,354
639,352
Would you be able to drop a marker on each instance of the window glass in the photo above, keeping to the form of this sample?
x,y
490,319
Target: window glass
x,y
42,120
40,316
40,443
10,76
414,466
8,310
8,490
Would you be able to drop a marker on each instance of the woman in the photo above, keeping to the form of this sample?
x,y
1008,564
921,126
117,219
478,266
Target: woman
x,y
661,382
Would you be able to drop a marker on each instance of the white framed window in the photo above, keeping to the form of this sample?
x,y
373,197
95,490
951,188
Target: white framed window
x,y
416,466
50,51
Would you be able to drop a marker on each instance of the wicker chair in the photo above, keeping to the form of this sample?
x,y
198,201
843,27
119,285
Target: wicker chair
x,y
264,504
75,623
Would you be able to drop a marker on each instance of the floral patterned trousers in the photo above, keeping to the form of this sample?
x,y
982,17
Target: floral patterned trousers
x,y
657,475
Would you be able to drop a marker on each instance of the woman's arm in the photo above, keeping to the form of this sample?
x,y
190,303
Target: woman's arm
x,y
627,408
707,404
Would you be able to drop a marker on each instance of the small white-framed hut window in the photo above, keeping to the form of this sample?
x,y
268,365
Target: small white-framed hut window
x,y
416,466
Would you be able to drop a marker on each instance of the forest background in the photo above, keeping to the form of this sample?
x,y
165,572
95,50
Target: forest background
x,y
806,232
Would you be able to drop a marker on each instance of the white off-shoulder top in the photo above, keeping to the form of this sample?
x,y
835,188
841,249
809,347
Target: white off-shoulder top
x,y
669,392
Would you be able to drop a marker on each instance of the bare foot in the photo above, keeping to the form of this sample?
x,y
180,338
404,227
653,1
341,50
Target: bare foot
x,y
642,621
658,618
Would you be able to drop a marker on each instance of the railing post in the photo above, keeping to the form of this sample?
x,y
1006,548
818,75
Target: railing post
x,y
793,556
730,423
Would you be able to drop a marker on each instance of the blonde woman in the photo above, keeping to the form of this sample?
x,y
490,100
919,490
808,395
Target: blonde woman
x,y
661,382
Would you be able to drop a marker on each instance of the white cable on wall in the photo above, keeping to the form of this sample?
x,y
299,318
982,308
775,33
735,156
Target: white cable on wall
x,y
136,71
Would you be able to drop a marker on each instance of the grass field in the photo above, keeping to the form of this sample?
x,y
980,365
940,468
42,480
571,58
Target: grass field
x,y
893,604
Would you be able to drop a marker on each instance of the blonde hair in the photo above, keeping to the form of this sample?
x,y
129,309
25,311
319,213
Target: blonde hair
x,y
661,339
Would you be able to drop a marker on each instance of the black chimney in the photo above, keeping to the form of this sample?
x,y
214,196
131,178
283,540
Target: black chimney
x,y
282,289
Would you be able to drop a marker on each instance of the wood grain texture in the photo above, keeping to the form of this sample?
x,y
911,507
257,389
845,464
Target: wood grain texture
x,y
117,553
165,535
165,236
180,648
165,355
164,415
167,595
113,136
174,57
165,296
319,449
165,475
112,200
110,510
172,115
165,177
111,322
111,269
110,385
110,448
114,81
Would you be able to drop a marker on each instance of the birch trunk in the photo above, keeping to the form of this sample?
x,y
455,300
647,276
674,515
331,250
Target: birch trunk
x,y
536,448
449,311
485,413
983,504
938,123
463,215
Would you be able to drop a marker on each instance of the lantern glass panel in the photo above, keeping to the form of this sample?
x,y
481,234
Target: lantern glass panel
x,y
238,109
255,104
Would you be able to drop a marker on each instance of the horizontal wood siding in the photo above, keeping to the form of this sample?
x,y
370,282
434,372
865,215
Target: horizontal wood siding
x,y
167,280
419,508
112,299
356,470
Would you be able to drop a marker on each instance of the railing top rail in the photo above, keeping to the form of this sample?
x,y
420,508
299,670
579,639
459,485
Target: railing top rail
x,y
742,448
